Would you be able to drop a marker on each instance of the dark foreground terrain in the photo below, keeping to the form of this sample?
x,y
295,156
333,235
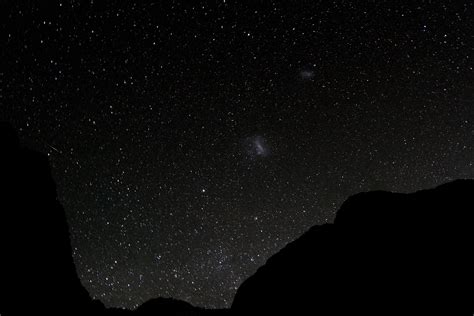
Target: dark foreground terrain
x,y
385,254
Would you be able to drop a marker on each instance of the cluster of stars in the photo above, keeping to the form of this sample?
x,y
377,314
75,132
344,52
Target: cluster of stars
x,y
190,142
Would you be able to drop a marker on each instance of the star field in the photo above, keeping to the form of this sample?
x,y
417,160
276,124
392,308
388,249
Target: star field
x,y
190,141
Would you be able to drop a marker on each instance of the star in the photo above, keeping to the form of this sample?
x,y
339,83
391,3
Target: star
x,y
206,131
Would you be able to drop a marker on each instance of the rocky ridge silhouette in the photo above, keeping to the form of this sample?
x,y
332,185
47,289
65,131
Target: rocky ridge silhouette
x,y
385,254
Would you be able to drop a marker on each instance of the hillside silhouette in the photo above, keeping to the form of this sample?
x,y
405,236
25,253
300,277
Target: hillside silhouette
x,y
386,254
38,271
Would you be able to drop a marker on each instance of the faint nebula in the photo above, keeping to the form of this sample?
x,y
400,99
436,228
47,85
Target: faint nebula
x,y
307,74
256,146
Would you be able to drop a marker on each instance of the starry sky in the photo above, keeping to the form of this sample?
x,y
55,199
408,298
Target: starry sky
x,y
192,140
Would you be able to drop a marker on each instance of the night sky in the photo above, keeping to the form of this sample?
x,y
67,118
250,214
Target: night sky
x,y
192,140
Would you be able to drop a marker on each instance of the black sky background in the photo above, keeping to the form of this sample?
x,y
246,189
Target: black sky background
x,y
192,140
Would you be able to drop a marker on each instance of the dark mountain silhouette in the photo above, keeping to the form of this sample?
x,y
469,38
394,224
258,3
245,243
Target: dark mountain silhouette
x,y
172,307
37,272
37,268
385,254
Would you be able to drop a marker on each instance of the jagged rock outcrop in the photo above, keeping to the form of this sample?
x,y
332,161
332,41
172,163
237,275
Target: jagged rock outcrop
x,y
38,275
385,254
37,271
166,306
